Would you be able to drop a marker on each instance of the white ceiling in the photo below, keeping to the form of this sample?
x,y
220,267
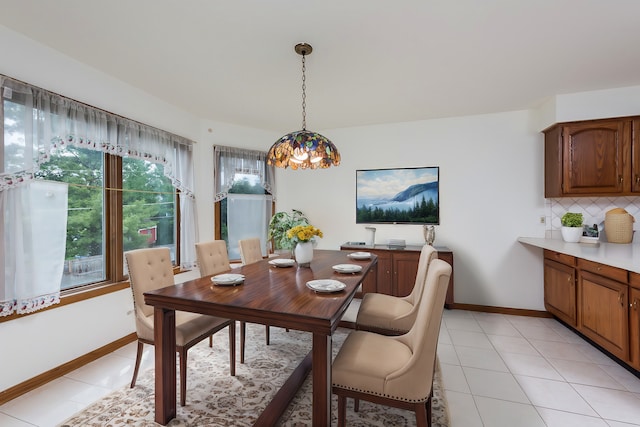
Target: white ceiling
x,y
374,61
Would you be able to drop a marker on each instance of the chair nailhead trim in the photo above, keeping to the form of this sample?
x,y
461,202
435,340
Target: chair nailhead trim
x,y
383,395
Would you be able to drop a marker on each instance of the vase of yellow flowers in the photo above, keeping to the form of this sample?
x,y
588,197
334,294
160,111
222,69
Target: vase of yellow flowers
x,y
303,237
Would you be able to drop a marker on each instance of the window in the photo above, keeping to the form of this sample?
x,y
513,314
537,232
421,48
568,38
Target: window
x,y
148,207
148,210
127,186
245,213
244,204
83,170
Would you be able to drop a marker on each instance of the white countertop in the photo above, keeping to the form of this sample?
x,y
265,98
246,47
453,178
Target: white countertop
x,y
625,256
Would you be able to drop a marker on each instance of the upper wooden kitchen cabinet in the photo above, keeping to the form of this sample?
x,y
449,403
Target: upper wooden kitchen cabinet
x,y
591,158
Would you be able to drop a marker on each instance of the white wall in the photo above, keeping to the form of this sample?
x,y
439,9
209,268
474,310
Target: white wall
x,y
490,193
599,104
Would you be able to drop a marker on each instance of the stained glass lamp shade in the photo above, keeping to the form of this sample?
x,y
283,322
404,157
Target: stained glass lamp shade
x,y
303,149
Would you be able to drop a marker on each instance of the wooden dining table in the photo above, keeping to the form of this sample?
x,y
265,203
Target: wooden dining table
x,y
270,295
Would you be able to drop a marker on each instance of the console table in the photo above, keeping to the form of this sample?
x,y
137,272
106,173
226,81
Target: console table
x,y
397,269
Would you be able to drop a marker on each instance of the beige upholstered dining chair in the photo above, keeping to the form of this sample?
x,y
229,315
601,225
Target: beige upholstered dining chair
x,y
250,252
151,269
395,370
213,258
390,315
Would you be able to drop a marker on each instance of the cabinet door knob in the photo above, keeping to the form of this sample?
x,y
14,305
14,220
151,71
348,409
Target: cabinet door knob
x,y
620,299
620,179
637,179
634,305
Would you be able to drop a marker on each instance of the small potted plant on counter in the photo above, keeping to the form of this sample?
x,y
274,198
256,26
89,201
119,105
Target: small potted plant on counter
x,y
572,227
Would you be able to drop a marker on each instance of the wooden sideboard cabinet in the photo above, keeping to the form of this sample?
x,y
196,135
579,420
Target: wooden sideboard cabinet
x,y
397,269
594,157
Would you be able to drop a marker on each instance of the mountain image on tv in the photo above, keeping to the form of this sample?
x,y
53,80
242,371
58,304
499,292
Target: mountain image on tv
x,y
408,195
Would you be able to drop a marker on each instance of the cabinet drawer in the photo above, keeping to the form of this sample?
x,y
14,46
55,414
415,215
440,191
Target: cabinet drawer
x,y
634,280
604,270
561,258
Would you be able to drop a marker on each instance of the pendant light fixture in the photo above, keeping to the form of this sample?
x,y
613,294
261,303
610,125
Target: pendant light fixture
x,y
303,149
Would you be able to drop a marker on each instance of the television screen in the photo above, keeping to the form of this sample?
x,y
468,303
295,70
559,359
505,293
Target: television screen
x,y
398,196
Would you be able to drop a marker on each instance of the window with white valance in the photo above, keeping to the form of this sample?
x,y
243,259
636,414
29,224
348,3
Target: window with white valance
x,y
243,194
42,130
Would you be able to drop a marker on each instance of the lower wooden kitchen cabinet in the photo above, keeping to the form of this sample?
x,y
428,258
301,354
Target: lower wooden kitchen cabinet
x,y
634,319
560,286
600,301
603,312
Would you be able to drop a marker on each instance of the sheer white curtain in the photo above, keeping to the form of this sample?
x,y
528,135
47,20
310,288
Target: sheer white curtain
x,y
49,121
34,237
183,180
176,154
229,161
248,216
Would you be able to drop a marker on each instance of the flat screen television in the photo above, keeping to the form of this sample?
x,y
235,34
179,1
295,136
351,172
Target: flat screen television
x,y
398,196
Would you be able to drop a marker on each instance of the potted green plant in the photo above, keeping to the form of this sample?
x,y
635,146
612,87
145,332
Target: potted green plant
x,y
572,227
282,222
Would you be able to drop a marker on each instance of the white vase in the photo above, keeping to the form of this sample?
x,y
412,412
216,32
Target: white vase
x,y
571,234
304,253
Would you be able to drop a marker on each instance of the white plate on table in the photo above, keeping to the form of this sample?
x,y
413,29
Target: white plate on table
x,y
228,279
359,255
347,268
282,262
326,285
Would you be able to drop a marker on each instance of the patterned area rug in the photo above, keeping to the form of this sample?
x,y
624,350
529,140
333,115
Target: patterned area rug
x,y
214,398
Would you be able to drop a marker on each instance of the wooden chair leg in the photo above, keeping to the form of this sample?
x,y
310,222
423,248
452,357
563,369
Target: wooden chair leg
x,y
356,405
421,415
342,411
429,412
266,332
232,348
243,330
210,340
137,366
183,375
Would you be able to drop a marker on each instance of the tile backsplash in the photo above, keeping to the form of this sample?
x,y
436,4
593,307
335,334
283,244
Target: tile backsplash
x,y
593,209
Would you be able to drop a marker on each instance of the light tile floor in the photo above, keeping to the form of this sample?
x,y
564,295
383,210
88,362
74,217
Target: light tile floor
x,y
498,371
503,371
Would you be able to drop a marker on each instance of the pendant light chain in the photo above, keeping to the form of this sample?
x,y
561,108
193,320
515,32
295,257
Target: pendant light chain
x,y
304,95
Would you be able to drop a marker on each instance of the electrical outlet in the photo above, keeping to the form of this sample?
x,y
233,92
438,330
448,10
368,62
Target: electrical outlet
x,y
542,220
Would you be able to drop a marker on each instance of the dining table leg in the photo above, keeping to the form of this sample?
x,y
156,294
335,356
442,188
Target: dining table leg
x,y
164,336
321,375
